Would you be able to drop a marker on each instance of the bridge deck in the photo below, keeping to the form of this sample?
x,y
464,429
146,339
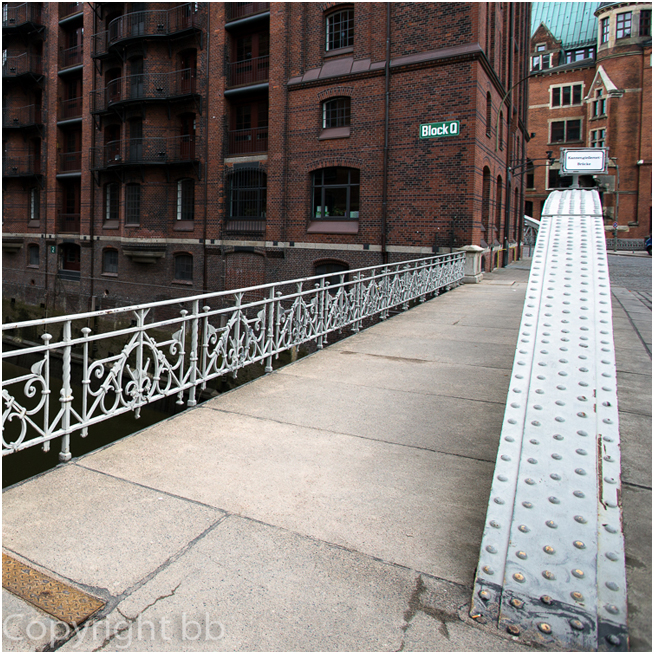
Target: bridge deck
x,y
338,503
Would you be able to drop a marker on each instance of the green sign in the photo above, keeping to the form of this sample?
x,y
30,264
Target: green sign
x,y
436,130
53,249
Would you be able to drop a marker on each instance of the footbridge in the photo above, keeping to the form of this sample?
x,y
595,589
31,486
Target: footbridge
x,y
447,477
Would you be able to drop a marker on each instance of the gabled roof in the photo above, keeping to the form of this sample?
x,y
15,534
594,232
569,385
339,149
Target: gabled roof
x,y
572,23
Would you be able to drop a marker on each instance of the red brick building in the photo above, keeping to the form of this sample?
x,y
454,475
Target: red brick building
x,y
155,150
592,87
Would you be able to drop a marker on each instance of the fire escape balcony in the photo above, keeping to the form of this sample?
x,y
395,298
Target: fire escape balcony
x,y
23,66
249,71
21,166
238,10
24,19
149,150
153,87
69,163
71,57
69,110
245,226
22,117
248,141
68,223
69,10
172,23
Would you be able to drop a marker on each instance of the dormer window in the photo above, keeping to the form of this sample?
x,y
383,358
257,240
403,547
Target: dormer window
x,y
541,62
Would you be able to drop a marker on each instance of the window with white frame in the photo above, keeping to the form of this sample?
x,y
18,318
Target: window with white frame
x,y
604,30
566,96
579,54
565,131
339,29
598,138
599,104
541,62
623,25
336,113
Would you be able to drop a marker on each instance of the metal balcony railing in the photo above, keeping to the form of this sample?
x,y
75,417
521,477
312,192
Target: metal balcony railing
x,y
245,225
69,109
148,150
19,165
24,64
166,353
237,10
247,141
68,223
70,162
71,56
67,9
249,71
16,16
146,86
22,116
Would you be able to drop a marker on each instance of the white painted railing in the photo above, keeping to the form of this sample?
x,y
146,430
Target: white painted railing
x,y
164,351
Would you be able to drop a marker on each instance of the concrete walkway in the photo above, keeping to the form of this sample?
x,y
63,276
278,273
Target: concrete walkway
x,y
336,504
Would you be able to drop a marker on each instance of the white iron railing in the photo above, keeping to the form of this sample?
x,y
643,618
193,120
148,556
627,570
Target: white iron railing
x,y
164,351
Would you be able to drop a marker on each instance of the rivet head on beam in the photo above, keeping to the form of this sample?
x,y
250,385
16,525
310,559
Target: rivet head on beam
x,y
577,596
613,639
519,577
488,570
513,629
548,549
612,608
521,555
580,545
578,573
485,595
546,599
515,602
549,575
545,628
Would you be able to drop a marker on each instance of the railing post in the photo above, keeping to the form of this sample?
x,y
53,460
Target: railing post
x,y
85,380
270,330
182,354
66,396
205,344
321,312
193,358
237,334
46,390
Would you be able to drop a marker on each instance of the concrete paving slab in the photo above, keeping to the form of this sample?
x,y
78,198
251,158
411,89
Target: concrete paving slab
x,y
73,521
444,424
637,518
633,360
410,375
406,505
635,393
636,448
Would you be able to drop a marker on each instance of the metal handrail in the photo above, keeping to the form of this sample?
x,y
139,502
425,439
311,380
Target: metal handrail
x,y
28,12
22,116
146,150
249,71
23,64
235,10
164,351
247,141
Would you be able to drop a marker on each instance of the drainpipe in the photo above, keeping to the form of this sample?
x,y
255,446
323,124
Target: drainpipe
x,y
206,155
386,121
92,190
509,142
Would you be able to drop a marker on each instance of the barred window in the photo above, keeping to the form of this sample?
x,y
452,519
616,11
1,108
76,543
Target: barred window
x,y
623,25
340,29
132,204
564,131
111,207
184,267
566,96
645,22
185,199
247,194
335,194
110,261
33,255
336,113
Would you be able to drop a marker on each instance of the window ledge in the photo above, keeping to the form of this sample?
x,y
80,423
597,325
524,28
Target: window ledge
x,y
184,226
34,224
108,274
333,227
111,224
338,51
132,225
334,133
182,282
32,266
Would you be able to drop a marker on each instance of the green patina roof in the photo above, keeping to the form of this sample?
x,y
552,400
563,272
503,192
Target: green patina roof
x,y
573,23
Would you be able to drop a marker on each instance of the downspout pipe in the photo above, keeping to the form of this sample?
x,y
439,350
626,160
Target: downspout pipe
x,y
206,155
387,94
509,142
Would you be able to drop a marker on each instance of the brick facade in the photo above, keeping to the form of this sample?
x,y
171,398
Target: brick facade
x,y
178,144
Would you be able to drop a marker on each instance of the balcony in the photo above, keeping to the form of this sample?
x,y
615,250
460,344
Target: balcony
x,y
69,162
68,223
69,9
22,117
23,18
149,24
70,57
22,65
249,71
245,226
248,141
21,166
69,109
237,10
157,150
178,84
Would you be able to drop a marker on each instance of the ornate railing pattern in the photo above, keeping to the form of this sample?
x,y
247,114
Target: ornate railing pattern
x,y
163,352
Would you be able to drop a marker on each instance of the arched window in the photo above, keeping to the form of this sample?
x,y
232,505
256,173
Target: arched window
x,y
489,113
498,208
247,196
185,199
336,113
500,128
110,261
485,207
335,194
132,204
183,267
339,29
33,255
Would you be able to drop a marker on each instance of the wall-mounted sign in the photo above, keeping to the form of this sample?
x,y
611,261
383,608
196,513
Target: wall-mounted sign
x,y
581,161
53,249
435,130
